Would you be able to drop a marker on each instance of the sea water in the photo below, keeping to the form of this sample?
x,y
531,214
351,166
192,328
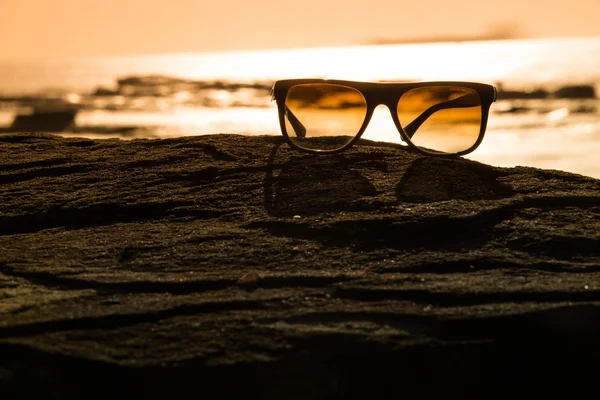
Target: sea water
x,y
169,95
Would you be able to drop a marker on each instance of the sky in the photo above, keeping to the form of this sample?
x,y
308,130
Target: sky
x,y
34,29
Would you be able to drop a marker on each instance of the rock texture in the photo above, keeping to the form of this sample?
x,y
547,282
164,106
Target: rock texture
x,y
228,265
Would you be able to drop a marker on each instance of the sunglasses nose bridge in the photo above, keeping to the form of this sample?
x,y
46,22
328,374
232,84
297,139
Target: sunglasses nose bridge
x,y
385,98
388,102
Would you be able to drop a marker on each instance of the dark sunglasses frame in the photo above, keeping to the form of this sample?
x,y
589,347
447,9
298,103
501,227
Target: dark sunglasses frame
x,y
388,94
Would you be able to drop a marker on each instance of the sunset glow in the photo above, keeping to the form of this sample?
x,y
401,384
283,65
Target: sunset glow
x,y
33,29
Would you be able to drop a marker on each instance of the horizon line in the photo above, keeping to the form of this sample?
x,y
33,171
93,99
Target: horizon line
x,y
373,42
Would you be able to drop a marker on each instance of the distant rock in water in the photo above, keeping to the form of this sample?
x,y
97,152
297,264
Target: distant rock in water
x,y
101,91
162,85
522,95
150,80
49,115
576,92
565,92
55,121
514,110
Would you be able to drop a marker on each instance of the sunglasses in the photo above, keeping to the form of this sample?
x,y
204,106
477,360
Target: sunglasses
x,y
328,116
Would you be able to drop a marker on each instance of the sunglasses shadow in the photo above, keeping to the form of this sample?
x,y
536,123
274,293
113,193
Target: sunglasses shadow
x,y
431,179
312,184
309,185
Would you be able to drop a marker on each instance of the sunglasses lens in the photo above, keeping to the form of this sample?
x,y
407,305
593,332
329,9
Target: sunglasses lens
x,y
322,116
441,119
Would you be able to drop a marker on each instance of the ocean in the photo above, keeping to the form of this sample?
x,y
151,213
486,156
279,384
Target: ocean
x,y
169,95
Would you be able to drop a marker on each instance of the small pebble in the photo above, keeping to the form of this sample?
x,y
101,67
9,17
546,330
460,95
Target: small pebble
x,y
249,278
297,217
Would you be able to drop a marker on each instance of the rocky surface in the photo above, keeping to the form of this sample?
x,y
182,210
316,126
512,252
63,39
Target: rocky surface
x,y
229,265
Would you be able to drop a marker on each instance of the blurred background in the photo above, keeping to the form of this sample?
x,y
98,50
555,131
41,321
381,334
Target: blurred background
x,y
149,68
34,29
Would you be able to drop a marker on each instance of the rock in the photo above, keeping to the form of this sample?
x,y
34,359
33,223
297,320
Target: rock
x,y
407,275
521,95
101,92
150,80
249,280
576,92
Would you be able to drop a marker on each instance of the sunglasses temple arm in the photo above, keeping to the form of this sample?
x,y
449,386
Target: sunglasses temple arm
x,y
299,129
469,100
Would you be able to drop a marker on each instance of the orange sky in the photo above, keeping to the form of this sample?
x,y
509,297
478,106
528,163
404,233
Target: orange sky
x,y
81,28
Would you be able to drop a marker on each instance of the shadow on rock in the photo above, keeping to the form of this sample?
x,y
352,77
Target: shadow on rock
x,y
430,179
308,185
312,184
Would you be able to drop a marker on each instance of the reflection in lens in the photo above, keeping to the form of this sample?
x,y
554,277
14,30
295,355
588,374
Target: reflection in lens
x,y
322,116
443,119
